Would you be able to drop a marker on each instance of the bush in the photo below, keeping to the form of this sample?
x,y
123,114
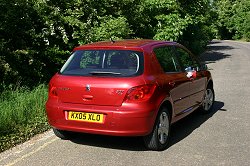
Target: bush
x,y
233,19
37,36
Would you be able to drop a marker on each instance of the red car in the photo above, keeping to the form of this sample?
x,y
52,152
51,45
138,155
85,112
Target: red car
x,y
128,88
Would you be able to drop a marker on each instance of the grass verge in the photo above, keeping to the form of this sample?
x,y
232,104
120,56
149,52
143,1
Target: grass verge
x,y
22,115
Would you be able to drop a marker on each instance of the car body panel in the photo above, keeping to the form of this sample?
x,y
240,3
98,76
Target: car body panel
x,y
94,90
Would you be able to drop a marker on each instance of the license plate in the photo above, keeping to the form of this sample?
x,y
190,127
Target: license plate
x,y
86,117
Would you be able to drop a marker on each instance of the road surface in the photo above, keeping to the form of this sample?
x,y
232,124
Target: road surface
x,y
220,138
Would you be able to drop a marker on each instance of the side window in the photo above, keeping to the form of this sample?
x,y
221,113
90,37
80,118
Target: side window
x,y
186,59
167,59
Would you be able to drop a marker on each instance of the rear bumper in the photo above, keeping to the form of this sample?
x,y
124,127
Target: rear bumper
x,y
126,120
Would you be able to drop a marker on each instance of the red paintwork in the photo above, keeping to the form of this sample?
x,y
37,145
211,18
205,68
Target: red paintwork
x,y
123,117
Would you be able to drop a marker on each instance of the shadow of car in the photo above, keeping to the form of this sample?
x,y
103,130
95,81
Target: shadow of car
x,y
178,133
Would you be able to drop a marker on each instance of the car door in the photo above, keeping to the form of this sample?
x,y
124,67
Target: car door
x,y
173,80
197,83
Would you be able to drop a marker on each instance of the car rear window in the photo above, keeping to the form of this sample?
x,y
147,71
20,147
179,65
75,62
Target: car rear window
x,y
118,63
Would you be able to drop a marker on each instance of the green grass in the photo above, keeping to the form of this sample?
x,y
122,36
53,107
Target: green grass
x,y
22,115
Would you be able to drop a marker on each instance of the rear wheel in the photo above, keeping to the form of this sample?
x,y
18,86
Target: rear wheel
x,y
158,139
208,100
63,134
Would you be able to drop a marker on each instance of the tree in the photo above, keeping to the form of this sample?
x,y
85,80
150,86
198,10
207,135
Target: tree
x,y
233,19
36,36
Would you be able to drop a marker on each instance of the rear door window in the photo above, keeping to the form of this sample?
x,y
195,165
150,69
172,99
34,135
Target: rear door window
x,y
104,63
167,59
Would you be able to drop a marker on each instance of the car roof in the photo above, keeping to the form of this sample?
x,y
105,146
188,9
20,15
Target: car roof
x,y
128,43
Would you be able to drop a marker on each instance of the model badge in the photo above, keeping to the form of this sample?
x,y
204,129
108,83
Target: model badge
x,y
64,88
119,92
87,87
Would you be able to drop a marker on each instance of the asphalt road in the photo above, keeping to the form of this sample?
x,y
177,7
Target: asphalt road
x,y
220,138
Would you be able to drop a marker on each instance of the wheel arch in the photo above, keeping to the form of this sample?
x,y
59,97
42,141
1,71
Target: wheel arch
x,y
167,104
210,84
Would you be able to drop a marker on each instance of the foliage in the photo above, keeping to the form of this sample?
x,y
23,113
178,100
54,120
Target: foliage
x,y
24,47
22,115
19,106
171,26
233,19
36,35
115,28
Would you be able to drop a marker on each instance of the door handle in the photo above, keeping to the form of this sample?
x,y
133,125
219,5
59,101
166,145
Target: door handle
x,y
191,79
171,83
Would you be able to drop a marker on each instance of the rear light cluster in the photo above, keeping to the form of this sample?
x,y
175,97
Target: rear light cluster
x,y
140,93
52,91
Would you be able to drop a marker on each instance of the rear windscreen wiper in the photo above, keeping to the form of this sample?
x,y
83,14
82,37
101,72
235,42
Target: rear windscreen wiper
x,y
104,73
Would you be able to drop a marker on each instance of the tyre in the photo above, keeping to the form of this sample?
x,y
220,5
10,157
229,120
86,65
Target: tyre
x,y
63,134
208,100
158,139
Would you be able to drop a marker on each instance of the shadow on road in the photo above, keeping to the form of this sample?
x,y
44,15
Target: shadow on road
x,y
111,142
180,131
214,52
186,126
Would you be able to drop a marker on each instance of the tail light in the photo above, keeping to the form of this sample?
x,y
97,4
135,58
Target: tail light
x,y
52,91
140,93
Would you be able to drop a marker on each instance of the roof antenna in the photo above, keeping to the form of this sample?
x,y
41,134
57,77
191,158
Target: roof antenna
x,y
112,41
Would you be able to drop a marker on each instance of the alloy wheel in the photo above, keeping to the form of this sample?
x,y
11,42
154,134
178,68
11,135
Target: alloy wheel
x,y
208,100
163,128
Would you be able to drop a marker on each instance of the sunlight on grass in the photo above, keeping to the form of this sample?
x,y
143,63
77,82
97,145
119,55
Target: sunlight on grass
x,y
22,115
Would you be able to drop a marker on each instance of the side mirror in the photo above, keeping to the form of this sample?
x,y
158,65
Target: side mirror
x,y
191,73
